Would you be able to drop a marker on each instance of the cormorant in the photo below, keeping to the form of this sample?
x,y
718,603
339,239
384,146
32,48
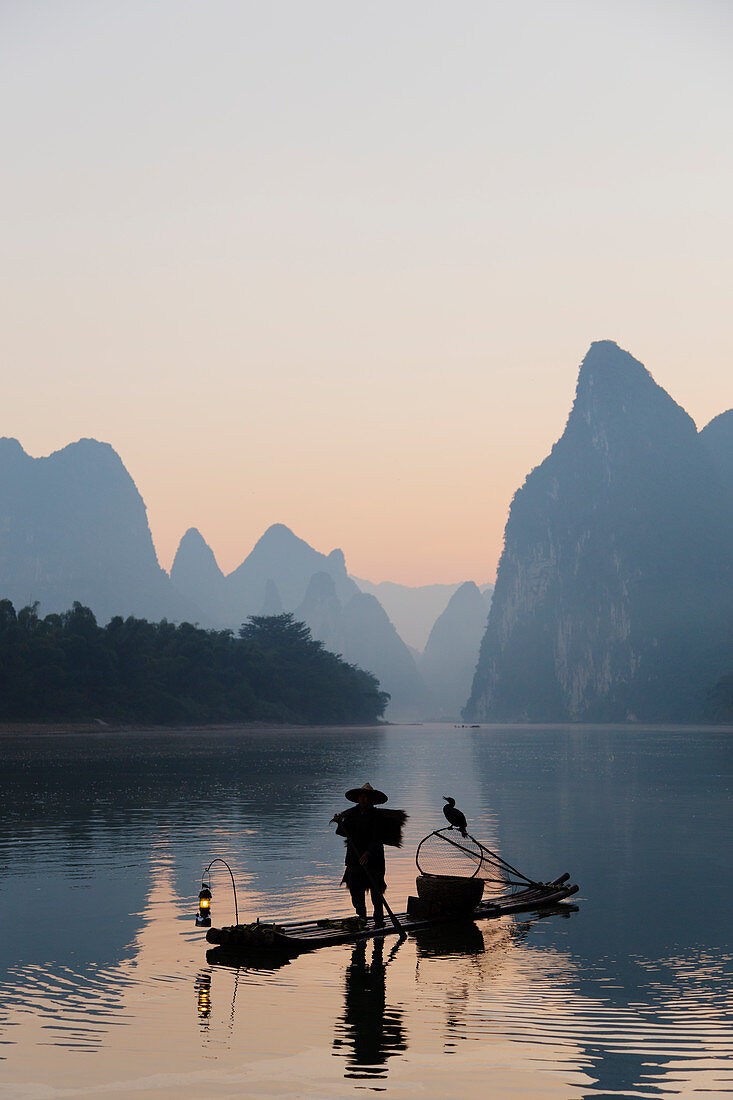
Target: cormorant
x,y
454,815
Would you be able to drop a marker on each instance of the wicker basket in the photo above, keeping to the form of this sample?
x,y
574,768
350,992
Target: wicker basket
x,y
449,893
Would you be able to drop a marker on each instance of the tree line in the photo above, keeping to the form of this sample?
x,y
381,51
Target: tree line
x,y
66,667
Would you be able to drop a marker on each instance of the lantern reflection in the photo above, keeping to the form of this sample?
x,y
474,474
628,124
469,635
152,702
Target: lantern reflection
x,y
203,993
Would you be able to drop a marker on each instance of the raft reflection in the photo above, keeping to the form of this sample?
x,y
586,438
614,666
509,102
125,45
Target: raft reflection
x,y
463,958
460,956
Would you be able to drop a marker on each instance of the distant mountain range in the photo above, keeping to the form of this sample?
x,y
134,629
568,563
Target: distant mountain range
x,y
282,572
73,527
360,630
414,610
613,601
449,660
273,577
614,596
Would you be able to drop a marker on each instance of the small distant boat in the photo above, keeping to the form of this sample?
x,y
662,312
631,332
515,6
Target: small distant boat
x,y
296,937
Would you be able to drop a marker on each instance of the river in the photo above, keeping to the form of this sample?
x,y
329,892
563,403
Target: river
x,y
105,987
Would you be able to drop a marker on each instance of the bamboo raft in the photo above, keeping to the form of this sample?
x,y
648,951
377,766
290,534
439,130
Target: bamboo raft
x,y
293,938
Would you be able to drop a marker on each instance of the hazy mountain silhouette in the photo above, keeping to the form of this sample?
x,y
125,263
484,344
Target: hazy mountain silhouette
x,y
273,577
288,561
74,527
372,643
361,632
272,604
614,597
451,654
717,438
229,600
413,610
284,573
196,574
321,610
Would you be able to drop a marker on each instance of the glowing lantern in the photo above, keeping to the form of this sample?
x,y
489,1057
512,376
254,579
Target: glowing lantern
x,y
203,917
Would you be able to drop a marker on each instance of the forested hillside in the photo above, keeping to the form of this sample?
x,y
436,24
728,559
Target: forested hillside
x,y
67,667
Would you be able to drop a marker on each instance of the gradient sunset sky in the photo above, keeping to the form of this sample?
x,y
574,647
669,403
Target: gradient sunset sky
x,y
335,264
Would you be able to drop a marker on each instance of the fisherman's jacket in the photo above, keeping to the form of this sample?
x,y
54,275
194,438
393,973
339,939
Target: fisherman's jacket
x,y
363,828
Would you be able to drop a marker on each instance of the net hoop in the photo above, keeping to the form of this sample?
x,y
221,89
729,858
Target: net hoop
x,y
457,852
446,853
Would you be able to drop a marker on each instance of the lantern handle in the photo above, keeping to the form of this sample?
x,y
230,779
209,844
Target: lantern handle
x,y
231,876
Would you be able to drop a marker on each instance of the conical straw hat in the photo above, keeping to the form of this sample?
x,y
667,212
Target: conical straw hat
x,y
377,797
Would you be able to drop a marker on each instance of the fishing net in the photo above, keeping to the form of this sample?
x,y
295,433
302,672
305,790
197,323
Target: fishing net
x,y
446,852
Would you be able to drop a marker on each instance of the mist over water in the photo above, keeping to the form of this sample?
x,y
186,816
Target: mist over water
x,y
106,988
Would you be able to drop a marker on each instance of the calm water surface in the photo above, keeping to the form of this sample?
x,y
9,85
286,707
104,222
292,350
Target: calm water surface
x,y
105,987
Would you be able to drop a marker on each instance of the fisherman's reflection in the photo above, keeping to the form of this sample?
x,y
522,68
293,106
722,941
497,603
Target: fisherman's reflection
x,y
370,1032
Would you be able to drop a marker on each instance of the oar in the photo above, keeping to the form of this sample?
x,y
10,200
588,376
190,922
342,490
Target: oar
x,y
373,884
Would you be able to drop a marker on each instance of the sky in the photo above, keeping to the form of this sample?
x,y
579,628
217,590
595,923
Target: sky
x,y
336,264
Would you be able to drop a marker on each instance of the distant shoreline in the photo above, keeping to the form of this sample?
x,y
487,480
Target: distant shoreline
x,y
39,729
13,729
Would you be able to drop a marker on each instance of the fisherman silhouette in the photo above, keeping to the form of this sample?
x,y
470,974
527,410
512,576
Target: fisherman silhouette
x,y
454,816
366,830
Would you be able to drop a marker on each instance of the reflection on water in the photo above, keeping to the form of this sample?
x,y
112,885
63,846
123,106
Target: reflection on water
x,y
463,964
203,997
370,1031
449,941
108,989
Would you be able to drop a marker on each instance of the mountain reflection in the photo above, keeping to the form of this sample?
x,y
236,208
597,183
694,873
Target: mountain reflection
x,y
369,1032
